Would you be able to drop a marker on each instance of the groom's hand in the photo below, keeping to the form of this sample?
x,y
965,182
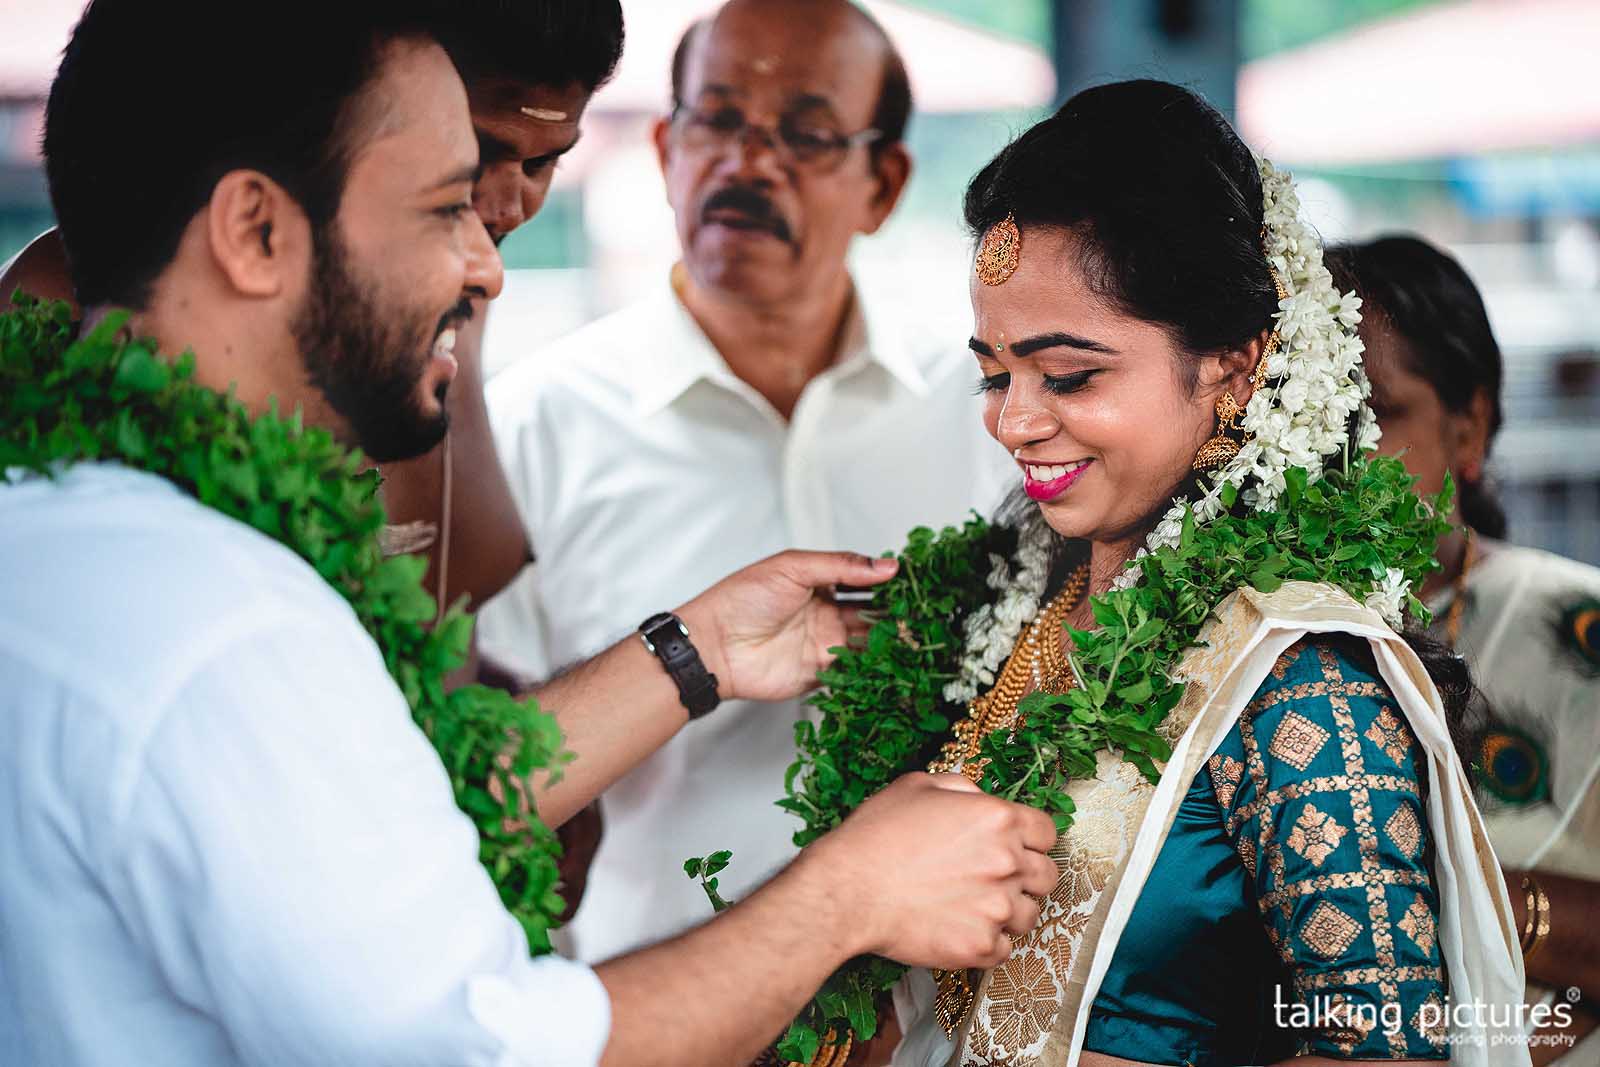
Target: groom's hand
x,y
936,873
765,631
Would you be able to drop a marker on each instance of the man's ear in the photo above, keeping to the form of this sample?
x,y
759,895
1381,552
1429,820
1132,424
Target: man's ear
x,y
660,130
259,237
892,169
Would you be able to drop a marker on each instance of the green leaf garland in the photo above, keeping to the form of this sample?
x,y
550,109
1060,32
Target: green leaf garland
x,y
101,397
883,713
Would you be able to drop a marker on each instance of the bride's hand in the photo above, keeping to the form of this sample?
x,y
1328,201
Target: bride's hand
x,y
765,631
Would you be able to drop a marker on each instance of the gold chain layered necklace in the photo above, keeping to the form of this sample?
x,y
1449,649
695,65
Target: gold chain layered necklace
x,y
1458,598
1037,663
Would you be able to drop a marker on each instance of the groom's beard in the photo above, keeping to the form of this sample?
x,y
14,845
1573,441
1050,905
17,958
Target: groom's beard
x,y
367,360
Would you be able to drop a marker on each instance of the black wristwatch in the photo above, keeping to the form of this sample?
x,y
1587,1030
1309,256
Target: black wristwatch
x,y
666,635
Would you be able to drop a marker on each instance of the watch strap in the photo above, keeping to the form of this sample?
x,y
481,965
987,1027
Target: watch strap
x,y
665,635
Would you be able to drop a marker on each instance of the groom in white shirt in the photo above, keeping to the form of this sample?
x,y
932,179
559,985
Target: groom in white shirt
x,y
755,403
225,840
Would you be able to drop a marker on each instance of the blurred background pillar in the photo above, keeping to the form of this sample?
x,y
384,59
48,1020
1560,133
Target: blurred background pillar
x,y
1192,42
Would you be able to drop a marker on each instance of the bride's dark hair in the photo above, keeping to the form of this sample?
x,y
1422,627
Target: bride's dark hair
x,y
1165,202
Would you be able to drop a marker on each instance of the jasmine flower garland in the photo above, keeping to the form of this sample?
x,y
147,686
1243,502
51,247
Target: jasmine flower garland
x,y
991,631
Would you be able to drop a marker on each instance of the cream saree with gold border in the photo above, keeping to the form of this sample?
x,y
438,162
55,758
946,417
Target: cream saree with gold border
x,y
1123,821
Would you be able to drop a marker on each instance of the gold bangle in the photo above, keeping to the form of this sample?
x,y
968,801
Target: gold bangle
x,y
1537,928
1529,914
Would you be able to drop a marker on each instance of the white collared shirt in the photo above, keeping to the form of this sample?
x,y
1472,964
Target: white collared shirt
x,y
224,841
646,471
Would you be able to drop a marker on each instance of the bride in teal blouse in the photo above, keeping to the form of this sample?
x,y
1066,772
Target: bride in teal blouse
x,y
1298,869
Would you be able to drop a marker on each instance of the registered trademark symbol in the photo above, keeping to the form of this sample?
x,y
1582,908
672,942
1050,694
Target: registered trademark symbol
x,y
1573,994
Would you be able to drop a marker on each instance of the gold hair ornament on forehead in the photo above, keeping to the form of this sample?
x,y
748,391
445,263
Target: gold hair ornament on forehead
x,y
1000,251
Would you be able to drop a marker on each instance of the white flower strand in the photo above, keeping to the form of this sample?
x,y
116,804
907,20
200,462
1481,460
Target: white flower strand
x,y
1299,422
1388,596
992,630
1302,421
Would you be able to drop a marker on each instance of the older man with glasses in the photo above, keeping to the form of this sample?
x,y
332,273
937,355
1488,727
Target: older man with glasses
x,y
752,405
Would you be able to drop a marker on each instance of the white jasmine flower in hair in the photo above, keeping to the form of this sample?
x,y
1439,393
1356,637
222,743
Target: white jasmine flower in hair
x,y
1293,395
1315,384
1011,612
1169,531
1388,596
1367,431
999,572
1346,307
1298,449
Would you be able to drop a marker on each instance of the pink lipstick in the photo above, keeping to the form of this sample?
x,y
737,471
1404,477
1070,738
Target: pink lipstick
x,y
1042,488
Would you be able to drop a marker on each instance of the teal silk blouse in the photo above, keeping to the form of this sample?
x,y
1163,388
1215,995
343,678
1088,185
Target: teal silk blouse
x,y
1292,909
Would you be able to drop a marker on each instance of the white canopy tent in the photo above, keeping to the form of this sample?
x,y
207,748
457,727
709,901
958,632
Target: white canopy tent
x,y
1448,79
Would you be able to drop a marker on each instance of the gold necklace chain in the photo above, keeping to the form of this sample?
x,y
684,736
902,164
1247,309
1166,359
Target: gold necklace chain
x,y
1458,600
1037,663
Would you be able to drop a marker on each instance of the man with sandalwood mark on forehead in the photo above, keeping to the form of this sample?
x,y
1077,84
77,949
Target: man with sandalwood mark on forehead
x,y
758,399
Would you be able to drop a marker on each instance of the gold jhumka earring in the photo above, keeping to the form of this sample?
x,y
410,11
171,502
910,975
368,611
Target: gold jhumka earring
x,y
1221,448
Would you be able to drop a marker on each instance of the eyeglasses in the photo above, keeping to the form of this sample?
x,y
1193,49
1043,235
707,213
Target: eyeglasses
x,y
806,142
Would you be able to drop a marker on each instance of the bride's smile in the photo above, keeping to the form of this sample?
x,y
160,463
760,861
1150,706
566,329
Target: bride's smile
x,y
1102,411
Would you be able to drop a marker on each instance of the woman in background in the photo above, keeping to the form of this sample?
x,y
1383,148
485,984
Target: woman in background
x,y
1527,622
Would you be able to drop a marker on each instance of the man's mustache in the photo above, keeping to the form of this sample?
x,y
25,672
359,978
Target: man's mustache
x,y
754,206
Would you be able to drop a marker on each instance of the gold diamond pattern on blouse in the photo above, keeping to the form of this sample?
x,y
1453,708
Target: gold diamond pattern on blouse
x,y
1405,831
1354,1025
1297,741
1332,783
1418,923
1329,931
1247,853
1430,1021
1316,835
1225,774
1388,731
1367,976
1280,668
1275,864
1322,883
1355,766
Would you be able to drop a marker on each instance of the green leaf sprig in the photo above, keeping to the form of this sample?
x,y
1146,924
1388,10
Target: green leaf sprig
x,y
706,869
101,397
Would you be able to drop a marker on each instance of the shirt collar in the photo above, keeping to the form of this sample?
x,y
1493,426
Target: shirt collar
x,y
683,355
879,339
